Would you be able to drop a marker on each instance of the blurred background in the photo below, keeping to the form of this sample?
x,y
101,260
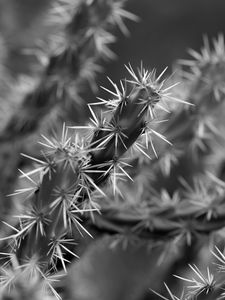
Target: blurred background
x,y
164,33
166,30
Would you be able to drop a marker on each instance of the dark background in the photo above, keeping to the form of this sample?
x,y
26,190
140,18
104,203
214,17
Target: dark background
x,y
167,28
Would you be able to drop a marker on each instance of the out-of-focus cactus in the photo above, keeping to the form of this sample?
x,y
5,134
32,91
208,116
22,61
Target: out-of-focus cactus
x,y
71,57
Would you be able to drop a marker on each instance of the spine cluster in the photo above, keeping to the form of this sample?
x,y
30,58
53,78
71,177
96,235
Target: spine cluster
x,y
66,185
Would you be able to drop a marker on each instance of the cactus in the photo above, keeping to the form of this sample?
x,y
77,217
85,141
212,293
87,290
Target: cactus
x,y
69,58
75,169
130,176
